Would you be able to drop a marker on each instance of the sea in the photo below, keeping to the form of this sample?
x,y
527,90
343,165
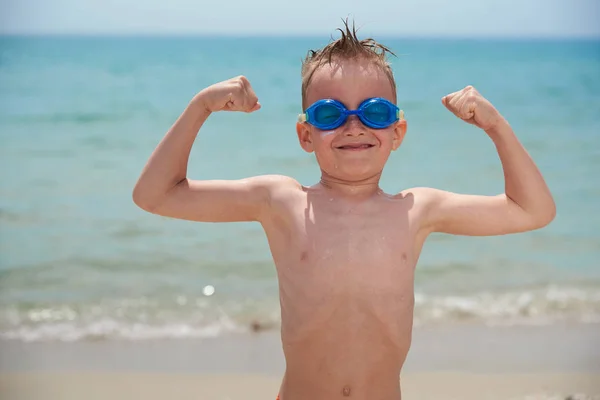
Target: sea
x,y
79,117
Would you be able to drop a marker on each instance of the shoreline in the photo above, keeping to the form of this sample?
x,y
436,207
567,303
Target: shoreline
x,y
567,347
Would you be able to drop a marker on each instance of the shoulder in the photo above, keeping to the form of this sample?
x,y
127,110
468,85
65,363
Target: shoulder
x,y
275,189
274,179
280,194
424,203
270,182
274,183
422,196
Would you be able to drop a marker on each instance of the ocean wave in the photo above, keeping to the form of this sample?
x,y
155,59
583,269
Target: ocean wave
x,y
113,329
189,317
537,305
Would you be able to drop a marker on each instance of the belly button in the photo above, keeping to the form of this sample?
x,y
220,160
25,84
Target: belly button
x,y
346,391
403,257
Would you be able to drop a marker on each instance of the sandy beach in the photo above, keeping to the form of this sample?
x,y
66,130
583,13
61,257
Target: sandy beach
x,y
449,362
423,386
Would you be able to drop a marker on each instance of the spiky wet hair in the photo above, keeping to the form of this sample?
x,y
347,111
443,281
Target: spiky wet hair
x,y
347,47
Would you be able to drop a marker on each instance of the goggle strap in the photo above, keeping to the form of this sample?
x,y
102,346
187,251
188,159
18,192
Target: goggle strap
x,y
401,114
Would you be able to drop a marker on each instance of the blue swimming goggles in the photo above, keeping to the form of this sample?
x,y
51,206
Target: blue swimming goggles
x,y
327,114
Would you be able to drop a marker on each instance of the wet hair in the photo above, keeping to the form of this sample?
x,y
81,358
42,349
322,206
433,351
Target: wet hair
x,y
347,47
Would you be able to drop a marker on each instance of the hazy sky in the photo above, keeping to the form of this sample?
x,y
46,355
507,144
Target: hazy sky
x,y
256,17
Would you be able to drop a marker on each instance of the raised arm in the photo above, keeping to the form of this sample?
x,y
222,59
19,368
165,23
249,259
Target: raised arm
x,y
164,188
526,203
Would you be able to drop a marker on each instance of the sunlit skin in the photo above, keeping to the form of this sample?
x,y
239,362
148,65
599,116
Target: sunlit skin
x,y
345,252
347,299
351,83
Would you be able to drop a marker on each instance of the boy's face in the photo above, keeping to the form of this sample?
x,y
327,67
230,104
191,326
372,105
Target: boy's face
x,y
350,82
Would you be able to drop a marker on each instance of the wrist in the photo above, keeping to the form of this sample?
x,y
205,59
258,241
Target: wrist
x,y
199,103
500,129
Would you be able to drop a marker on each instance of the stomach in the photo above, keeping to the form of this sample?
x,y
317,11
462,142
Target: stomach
x,y
347,343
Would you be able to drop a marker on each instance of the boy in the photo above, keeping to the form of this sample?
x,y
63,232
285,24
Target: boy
x,y
345,251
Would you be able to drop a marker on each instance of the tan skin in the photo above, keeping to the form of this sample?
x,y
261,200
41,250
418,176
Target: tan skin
x,y
345,251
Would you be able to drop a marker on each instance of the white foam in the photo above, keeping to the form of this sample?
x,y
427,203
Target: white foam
x,y
112,329
188,317
535,306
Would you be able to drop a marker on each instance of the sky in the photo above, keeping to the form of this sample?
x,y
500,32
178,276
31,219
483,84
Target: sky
x,y
425,18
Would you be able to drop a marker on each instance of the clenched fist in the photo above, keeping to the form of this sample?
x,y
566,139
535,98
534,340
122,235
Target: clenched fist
x,y
235,94
472,107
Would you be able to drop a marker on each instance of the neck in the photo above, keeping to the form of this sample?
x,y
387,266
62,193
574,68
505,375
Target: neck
x,y
358,189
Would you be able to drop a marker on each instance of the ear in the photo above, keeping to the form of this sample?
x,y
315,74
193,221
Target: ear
x,y
399,133
303,131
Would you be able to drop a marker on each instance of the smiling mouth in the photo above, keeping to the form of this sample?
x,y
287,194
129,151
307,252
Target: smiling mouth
x,y
355,147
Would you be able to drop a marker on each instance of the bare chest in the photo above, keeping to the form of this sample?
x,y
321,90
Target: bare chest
x,y
347,254
354,247
348,271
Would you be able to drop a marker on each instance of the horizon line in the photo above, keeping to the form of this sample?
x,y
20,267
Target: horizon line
x,y
295,35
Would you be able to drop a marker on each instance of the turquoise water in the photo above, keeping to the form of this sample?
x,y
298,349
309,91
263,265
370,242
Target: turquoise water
x,y
80,116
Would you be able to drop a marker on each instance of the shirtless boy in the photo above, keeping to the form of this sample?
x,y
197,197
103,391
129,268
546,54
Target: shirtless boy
x,y
345,252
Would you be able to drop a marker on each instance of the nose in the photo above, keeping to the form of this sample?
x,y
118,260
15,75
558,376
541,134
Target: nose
x,y
354,126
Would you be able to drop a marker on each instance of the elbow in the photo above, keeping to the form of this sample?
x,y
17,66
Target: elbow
x,y
551,214
550,211
536,216
142,200
149,197
545,216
